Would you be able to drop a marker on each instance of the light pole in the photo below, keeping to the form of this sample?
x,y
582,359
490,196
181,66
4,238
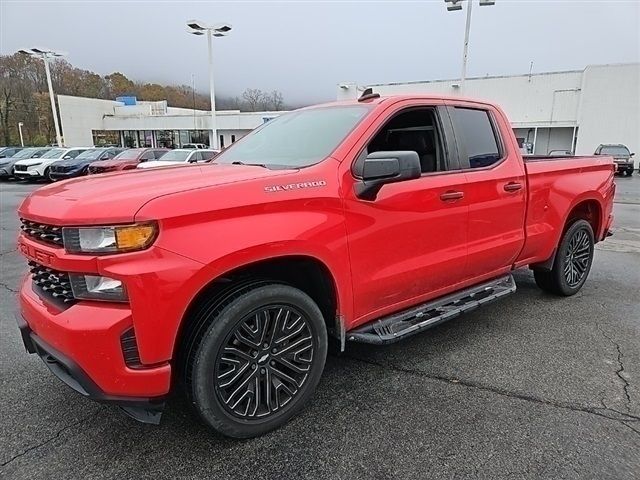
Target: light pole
x,y
453,5
45,55
197,27
20,124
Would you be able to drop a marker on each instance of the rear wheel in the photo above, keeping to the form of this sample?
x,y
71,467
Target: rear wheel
x,y
258,361
572,262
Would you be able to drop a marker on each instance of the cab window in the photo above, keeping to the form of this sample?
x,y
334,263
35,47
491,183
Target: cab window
x,y
474,131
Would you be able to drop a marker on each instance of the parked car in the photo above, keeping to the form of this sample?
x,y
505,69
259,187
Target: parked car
x,y
79,166
6,164
37,168
127,160
181,156
6,152
334,223
621,156
195,145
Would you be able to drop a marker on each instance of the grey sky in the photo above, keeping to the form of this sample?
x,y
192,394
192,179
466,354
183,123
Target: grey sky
x,y
305,48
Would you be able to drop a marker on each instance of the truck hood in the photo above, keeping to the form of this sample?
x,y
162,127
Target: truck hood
x,y
116,197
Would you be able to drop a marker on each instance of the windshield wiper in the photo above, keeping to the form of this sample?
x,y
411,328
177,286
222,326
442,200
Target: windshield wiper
x,y
249,164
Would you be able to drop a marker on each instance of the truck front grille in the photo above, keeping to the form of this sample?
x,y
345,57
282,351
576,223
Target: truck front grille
x,y
52,283
43,233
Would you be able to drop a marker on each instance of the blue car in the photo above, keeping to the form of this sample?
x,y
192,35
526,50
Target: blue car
x,y
79,166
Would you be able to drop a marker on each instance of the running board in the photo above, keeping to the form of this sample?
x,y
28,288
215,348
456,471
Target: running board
x,y
394,327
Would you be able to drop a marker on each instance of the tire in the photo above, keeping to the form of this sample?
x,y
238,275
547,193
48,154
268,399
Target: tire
x,y
572,262
256,358
46,174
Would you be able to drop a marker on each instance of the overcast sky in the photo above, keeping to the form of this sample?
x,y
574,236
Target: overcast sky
x,y
305,48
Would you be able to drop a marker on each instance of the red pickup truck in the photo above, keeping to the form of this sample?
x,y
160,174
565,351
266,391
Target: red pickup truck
x,y
363,221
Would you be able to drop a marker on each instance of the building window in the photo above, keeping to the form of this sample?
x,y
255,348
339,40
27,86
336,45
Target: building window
x,y
233,138
221,141
130,138
106,138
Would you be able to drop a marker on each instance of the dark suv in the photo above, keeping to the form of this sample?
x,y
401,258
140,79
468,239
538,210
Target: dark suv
x,y
79,166
621,156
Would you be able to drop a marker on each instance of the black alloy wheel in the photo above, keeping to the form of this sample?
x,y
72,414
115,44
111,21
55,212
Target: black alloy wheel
x,y
254,358
265,361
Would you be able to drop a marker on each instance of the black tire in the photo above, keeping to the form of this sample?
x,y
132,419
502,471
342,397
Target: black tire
x,y
572,262
256,358
47,175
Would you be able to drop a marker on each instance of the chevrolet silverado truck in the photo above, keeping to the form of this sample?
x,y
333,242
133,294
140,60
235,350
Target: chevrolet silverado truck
x,y
364,221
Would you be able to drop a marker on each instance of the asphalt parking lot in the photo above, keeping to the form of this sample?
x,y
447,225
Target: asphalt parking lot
x,y
533,386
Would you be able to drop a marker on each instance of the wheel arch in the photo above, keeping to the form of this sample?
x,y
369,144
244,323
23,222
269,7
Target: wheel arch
x,y
306,272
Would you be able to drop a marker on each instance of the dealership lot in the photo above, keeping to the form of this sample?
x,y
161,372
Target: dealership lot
x,y
532,386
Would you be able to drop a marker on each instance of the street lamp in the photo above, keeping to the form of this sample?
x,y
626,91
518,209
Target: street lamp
x,y
45,55
454,5
20,124
197,27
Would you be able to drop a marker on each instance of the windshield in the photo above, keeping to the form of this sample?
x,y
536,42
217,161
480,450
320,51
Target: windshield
x,y
296,139
27,153
175,156
617,151
54,153
92,154
128,154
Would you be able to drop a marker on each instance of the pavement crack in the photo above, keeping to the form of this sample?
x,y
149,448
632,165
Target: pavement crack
x,y
51,438
603,412
620,370
7,287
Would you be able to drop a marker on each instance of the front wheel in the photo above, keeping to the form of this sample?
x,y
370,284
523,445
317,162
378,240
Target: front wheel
x,y
572,262
259,361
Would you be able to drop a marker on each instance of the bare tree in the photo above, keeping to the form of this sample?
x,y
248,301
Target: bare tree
x,y
277,100
253,98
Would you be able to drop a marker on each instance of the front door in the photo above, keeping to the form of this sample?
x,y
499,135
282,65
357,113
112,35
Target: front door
x,y
410,243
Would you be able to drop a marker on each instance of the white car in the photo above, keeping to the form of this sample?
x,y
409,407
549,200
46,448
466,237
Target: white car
x,y
39,167
180,156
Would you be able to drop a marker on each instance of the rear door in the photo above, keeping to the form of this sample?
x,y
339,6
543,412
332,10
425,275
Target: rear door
x,y
496,189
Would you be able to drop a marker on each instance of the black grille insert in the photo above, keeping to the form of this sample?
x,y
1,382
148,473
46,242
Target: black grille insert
x,y
44,233
19,168
52,283
130,349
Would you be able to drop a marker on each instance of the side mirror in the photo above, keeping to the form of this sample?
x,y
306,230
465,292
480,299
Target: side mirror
x,y
632,154
66,157
381,168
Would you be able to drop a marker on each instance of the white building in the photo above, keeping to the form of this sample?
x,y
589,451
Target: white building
x,y
573,110
132,123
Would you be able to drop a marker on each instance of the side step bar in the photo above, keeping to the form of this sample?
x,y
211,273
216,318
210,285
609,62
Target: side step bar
x,y
394,327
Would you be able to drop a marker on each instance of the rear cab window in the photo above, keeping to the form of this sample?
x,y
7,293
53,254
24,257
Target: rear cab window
x,y
477,140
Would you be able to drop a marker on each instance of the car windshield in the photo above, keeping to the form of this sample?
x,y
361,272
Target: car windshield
x,y
128,154
615,150
296,139
27,153
176,156
54,153
91,154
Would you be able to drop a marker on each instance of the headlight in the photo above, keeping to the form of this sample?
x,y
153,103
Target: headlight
x,y
125,238
96,287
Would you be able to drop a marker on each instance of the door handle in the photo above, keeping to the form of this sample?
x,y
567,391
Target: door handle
x,y
451,195
512,187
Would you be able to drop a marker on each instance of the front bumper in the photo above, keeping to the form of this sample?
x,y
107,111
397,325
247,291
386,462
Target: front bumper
x,y
65,175
6,172
27,174
146,410
624,167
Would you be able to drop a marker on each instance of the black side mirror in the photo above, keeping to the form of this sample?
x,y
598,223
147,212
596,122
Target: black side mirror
x,y
632,154
381,168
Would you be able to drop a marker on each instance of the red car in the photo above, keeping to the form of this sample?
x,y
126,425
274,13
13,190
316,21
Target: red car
x,y
364,221
127,160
